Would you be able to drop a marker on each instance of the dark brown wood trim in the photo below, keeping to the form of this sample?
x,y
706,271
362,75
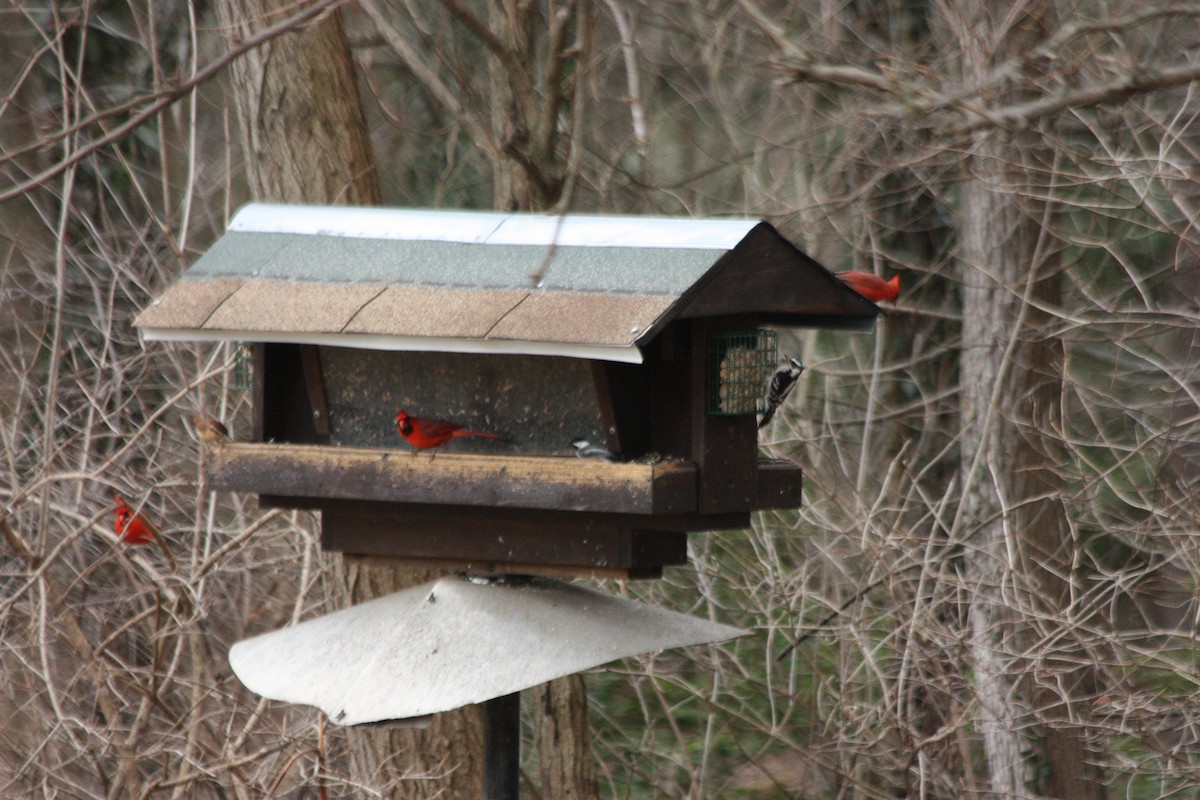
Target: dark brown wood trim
x,y
314,383
623,395
779,484
258,390
424,534
724,448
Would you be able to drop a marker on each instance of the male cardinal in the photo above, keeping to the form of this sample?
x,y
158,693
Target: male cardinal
x,y
135,529
871,286
209,429
425,433
782,383
131,528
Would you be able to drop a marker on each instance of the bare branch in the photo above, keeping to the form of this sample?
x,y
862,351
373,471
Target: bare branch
x,y
432,82
155,103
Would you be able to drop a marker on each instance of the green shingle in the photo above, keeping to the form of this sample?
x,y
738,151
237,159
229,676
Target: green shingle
x,y
341,259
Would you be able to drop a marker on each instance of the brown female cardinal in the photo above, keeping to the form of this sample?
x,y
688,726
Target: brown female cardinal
x,y
209,429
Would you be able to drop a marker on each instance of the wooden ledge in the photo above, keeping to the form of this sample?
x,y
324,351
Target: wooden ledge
x,y
400,476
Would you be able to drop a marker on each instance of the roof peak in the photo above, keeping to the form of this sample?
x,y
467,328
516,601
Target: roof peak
x,y
492,227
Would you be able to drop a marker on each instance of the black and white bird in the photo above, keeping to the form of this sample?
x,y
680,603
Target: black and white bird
x,y
782,383
585,449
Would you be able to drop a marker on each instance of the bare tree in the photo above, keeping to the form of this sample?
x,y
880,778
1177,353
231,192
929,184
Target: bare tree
x,y
512,78
1011,514
111,652
990,585
303,120
1034,670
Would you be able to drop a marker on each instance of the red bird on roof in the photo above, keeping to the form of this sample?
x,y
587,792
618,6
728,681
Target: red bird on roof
x,y
426,433
871,286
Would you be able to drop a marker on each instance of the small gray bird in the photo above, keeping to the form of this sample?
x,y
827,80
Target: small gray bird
x,y
585,449
782,383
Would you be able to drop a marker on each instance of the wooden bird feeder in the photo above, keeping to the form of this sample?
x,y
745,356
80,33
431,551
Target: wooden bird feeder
x,y
645,334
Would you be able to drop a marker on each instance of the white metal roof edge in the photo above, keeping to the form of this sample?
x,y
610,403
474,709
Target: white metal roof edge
x,y
484,227
628,355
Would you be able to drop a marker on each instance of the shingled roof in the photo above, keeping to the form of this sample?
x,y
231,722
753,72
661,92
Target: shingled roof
x,y
464,281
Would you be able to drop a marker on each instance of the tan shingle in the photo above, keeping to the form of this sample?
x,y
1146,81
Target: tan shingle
x,y
434,311
592,318
187,304
280,306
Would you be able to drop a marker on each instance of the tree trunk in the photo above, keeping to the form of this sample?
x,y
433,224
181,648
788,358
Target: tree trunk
x,y
1019,558
990,310
530,176
306,141
304,135
561,731
443,760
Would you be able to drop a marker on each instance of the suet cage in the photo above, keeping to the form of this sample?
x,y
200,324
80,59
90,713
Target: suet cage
x,y
739,364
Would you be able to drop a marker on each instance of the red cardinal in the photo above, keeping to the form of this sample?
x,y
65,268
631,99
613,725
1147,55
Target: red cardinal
x,y
130,528
134,529
871,286
426,433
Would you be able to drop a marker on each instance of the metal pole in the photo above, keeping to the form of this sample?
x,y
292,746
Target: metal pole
x,y
502,747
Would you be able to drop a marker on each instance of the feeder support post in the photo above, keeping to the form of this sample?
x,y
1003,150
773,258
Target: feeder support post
x,y
502,747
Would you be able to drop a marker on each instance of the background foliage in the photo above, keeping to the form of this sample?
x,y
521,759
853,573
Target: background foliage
x,y
852,127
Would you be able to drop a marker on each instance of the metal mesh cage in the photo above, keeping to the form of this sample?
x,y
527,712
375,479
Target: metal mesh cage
x,y
739,363
242,372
